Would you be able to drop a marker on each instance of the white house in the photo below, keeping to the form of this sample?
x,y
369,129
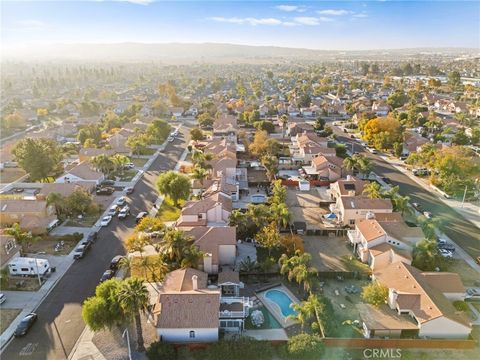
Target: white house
x,y
350,209
81,172
213,210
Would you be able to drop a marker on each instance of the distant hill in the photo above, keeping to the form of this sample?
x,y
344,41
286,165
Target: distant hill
x,y
176,52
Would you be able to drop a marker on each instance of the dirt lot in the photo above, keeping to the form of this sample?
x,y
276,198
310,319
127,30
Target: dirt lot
x,y
305,206
331,253
10,175
6,317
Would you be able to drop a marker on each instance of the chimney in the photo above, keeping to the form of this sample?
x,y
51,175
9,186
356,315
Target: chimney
x,y
349,177
195,282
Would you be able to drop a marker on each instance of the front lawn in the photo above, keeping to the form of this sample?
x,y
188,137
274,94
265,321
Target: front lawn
x,y
85,221
10,175
353,264
47,244
468,275
126,175
138,162
168,212
6,317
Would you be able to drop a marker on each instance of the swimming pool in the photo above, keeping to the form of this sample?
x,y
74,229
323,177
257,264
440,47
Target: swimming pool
x,y
282,300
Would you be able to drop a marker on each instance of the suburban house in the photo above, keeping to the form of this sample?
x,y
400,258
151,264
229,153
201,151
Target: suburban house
x,y
64,189
225,127
350,209
188,310
31,214
82,172
219,245
8,250
380,108
346,187
418,298
295,128
175,111
307,146
380,242
325,168
213,210
413,142
118,144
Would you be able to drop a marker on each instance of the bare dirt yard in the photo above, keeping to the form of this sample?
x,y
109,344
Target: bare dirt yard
x,y
305,206
332,253
6,317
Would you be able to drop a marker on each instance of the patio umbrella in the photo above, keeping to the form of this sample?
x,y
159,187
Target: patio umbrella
x,y
330,216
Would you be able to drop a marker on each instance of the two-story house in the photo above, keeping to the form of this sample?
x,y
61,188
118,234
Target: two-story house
x,y
213,210
350,209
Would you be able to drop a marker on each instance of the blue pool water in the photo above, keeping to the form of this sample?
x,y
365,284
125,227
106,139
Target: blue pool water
x,y
282,300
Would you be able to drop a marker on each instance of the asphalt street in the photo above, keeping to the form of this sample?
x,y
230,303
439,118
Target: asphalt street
x,y
456,227
60,322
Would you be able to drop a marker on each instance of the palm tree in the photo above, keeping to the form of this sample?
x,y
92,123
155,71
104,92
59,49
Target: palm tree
x,y
174,244
308,309
400,203
282,214
350,163
191,257
373,190
304,274
102,163
283,121
391,193
199,173
364,164
22,238
429,226
125,264
58,201
119,161
133,298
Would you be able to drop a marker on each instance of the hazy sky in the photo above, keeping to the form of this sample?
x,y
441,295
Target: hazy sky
x,y
309,24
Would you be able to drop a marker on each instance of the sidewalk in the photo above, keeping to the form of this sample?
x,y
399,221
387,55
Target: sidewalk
x,y
470,211
29,301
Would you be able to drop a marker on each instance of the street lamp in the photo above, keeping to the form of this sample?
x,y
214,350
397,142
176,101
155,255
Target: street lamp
x,y
128,343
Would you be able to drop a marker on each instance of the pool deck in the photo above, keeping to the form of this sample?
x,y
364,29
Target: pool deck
x,y
275,309
270,334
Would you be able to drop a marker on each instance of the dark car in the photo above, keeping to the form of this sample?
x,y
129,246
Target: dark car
x,y
107,183
107,275
447,246
105,191
417,206
80,252
92,236
115,262
386,180
25,324
140,216
129,190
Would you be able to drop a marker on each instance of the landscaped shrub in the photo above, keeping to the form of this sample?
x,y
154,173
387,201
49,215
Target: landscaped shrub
x,y
160,351
303,347
460,305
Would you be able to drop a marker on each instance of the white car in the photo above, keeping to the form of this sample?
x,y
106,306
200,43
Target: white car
x,y
124,212
3,298
106,220
445,253
372,150
427,214
122,200
170,139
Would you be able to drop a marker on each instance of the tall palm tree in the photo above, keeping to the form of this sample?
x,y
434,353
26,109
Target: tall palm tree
x,y
199,173
304,274
283,121
102,163
373,190
22,237
133,298
119,161
430,226
174,244
126,264
191,257
391,193
400,203
282,215
350,163
308,309
364,164
58,201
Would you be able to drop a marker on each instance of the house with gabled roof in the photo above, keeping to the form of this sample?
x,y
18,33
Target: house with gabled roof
x,y
350,209
82,172
421,297
346,187
213,210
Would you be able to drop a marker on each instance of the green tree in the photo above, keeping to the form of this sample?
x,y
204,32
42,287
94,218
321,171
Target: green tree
x,y
205,120
174,244
400,203
397,99
103,310
161,350
137,143
57,200
296,268
373,190
319,124
453,79
196,134
375,294
23,238
119,161
79,202
102,163
133,299
270,162
320,310
265,126
199,173
174,185
40,158
157,131
305,347
425,255
269,237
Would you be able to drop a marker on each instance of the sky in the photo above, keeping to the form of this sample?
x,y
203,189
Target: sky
x,y
328,25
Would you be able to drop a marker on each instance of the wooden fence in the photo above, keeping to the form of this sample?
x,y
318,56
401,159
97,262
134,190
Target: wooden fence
x,y
401,343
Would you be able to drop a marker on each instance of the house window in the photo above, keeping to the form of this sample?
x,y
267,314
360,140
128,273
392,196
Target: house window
x,y
192,334
352,222
24,269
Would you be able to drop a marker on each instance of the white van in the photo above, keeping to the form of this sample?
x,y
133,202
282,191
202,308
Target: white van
x,y
28,266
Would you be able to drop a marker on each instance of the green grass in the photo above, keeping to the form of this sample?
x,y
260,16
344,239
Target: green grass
x,y
6,317
145,268
86,221
168,212
354,264
127,175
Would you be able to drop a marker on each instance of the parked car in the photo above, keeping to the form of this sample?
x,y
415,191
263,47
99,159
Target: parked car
x,y
140,216
129,190
129,166
107,183
472,292
372,150
421,172
106,220
403,157
170,139
115,262
124,212
447,246
105,191
108,274
114,209
386,180
417,206
92,236
3,298
428,214
86,242
445,253
80,252
25,325
121,201
441,242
